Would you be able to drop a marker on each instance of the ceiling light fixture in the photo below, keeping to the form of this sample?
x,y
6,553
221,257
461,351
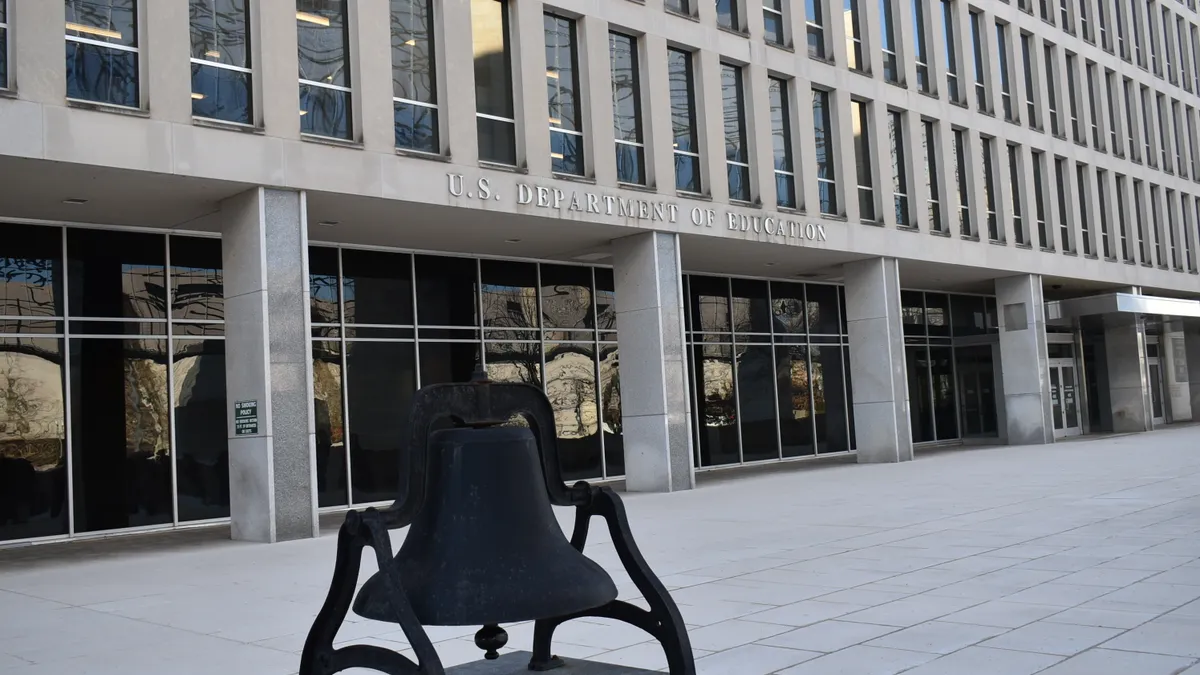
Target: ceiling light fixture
x,y
303,113
512,241
213,54
410,43
197,96
553,74
328,223
75,201
93,30
312,18
770,264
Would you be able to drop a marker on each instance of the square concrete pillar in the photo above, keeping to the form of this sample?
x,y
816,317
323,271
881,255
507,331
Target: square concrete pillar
x,y
881,418
1174,359
1024,367
1192,341
272,486
655,405
1128,386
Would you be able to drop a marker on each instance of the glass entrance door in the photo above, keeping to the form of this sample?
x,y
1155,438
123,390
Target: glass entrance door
x,y
1064,398
1156,391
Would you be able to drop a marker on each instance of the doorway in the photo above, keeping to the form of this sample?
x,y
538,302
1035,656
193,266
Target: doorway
x,y
1064,399
1154,366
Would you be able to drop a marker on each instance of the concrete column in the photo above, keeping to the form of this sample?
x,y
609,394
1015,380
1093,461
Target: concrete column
x,y
166,56
278,69
371,75
527,34
1023,360
881,419
1174,359
37,68
1192,342
655,405
1128,386
271,471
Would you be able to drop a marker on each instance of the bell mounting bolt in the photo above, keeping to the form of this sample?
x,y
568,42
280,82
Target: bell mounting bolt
x,y
499,556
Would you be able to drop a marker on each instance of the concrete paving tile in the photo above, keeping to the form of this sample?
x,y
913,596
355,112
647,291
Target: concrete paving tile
x,y
714,611
752,660
1106,576
647,655
1189,576
937,637
828,636
733,633
1002,614
1101,618
805,612
859,660
1147,593
987,661
1142,561
912,610
1170,636
1059,594
1044,637
863,596
1113,662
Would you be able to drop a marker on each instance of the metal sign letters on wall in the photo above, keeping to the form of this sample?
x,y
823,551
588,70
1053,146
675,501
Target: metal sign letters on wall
x,y
615,206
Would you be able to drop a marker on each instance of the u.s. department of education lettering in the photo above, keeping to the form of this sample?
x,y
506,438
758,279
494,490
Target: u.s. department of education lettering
x,y
632,208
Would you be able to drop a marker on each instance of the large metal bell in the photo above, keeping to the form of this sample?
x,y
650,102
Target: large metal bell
x,y
485,548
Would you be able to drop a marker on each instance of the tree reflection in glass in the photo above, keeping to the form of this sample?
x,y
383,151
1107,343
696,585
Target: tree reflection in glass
x,y
571,389
201,443
328,416
717,406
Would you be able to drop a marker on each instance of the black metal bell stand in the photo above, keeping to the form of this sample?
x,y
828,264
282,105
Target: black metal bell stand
x,y
479,404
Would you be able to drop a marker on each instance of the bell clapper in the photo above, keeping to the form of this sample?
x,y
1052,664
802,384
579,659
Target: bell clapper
x,y
490,639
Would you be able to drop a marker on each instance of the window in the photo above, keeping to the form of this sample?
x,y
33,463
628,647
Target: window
x,y
1180,166
1139,56
1072,100
1093,118
1084,24
951,51
921,46
322,40
981,101
1114,121
737,154
1027,65
1039,198
1152,31
815,25
1102,19
1051,91
1130,128
781,143
773,21
495,119
1185,64
1005,77
414,87
683,121
1064,16
627,109
1102,195
960,179
679,6
1164,152
1082,193
102,51
887,30
1015,185
854,37
1195,51
1170,207
1156,225
1064,222
1166,44
1044,10
824,145
562,95
1122,220
1146,126
899,167
1122,46
3,44
859,118
989,187
1140,218
929,144
221,74
1191,134
727,14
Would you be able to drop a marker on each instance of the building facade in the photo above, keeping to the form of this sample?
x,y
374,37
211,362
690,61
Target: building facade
x,y
239,234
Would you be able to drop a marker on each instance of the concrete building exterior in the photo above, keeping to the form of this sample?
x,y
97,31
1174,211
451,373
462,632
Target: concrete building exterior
x,y
239,234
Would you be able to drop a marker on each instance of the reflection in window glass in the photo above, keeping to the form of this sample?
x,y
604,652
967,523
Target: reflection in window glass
x,y
323,39
825,150
773,21
737,155
377,287
414,88
381,379
815,26
727,14
221,67
610,409
31,271
571,389
781,142
567,297
332,473
683,121
829,398
116,274
323,284
493,82
201,444
716,405
197,280
627,109
795,400
3,44
756,402
509,296
102,51
562,87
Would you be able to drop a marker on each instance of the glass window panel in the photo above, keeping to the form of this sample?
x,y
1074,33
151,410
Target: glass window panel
x,y
717,406
795,400
509,294
416,127
3,53
566,153
30,271
33,439
221,94
446,291
197,279
325,112
849,395
912,311
102,75
735,119
709,304
945,413
751,309
322,41
773,22
448,362
328,389
787,306
121,448
413,71
606,300
683,112
610,408
116,274
823,309
220,31
727,14
493,73
567,297
781,136
562,73
381,379
571,389
201,443
631,160
623,58
497,140
756,391
377,287
937,314
829,399
969,314
323,284
110,21
515,362
919,394
687,173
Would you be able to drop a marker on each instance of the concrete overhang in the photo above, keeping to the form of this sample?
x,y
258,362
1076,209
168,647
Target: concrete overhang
x,y
1111,303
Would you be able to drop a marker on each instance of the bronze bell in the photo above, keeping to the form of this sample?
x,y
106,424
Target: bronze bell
x,y
483,546
486,549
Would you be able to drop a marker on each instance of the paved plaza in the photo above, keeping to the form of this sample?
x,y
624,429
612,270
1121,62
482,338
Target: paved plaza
x,y
1081,558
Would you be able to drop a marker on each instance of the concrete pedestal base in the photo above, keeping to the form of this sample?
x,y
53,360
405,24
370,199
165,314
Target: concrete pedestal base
x,y
517,663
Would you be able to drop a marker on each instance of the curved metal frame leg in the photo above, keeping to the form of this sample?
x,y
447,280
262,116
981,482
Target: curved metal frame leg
x,y
319,657
663,621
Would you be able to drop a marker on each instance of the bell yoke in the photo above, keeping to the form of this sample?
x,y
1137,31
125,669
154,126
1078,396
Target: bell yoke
x,y
483,546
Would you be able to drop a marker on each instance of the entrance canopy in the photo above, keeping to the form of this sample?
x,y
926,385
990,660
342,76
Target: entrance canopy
x,y
1109,303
